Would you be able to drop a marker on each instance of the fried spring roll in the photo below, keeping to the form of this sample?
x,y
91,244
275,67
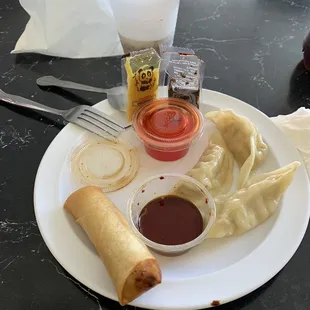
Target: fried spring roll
x,y
131,266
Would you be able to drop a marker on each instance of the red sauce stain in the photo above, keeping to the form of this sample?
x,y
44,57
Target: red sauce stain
x,y
206,200
161,178
215,303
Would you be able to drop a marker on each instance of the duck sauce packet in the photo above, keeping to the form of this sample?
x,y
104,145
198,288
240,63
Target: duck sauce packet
x,y
141,74
185,72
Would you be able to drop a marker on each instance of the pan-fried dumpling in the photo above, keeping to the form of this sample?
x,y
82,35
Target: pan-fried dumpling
x,y
242,139
252,205
215,167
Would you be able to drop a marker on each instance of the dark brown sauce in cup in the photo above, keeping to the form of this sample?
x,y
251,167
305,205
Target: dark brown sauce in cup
x,y
170,220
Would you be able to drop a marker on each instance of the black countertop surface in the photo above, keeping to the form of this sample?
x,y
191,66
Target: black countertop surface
x,y
253,52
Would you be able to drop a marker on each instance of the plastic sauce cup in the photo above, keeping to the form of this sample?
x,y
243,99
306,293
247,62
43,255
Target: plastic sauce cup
x,y
167,127
182,186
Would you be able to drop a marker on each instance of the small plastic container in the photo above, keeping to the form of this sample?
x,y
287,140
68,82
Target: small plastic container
x,y
167,127
172,184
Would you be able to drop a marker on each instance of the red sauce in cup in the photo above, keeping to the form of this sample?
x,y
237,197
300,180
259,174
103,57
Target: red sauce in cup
x,y
167,127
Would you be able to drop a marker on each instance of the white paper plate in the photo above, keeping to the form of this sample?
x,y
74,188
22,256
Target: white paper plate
x,y
221,270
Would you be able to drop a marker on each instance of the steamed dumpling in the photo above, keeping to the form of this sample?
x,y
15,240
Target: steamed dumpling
x,y
242,139
215,167
252,205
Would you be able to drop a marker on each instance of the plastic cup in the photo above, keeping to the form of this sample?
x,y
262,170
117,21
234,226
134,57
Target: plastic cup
x,y
167,127
142,24
167,184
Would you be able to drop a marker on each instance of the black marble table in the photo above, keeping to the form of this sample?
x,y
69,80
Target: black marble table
x,y
253,52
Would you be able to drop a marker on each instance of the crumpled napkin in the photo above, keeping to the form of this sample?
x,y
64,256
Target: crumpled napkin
x,y
296,127
70,28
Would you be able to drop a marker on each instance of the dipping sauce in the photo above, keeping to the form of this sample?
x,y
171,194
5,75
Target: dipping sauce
x,y
170,220
167,127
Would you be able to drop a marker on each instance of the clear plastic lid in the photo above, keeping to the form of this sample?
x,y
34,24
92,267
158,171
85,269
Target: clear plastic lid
x,y
109,165
168,123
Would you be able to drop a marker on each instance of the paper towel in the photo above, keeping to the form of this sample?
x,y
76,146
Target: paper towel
x,y
296,127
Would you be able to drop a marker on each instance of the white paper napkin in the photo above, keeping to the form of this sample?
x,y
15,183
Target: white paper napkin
x,y
296,127
70,28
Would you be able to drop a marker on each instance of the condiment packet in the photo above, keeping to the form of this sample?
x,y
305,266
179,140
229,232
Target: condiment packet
x,y
166,51
185,73
142,76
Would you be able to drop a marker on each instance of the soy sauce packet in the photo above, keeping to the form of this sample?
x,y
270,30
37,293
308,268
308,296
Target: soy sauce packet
x,y
141,75
185,73
164,50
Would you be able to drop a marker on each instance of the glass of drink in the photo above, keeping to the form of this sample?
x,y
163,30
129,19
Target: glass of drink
x,y
145,23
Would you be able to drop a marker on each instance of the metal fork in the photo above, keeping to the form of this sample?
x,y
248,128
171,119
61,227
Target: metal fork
x,y
83,115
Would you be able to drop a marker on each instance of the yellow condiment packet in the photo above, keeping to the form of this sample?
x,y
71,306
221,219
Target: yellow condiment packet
x,y
141,70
